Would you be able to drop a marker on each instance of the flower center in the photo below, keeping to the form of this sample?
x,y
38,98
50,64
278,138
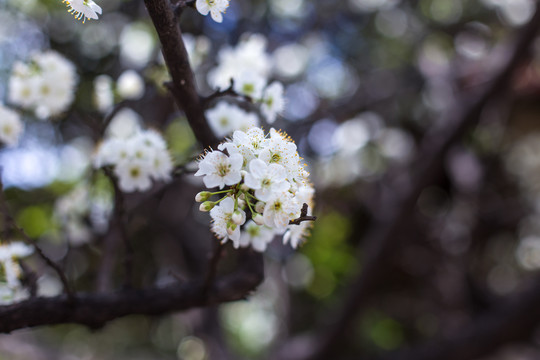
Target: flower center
x,y
276,157
135,172
223,169
248,88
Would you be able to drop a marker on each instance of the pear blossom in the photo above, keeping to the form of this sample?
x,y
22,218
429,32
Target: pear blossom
x,y
225,118
250,83
130,85
44,85
279,209
257,236
138,156
250,53
273,101
222,220
83,9
133,175
11,126
214,7
266,179
9,253
219,169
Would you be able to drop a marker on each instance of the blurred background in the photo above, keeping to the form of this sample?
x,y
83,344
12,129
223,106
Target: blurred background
x,y
365,81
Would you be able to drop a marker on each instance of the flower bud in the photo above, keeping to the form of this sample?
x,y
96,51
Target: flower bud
x,y
259,207
244,187
231,228
237,218
207,206
202,196
243,173
258,219
241,204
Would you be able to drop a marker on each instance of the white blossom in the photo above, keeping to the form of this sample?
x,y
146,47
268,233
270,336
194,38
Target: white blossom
x,y
219,169
9,253
257,236
225,118
273,101
280,209
249,53
250,83
222,221
130,85
266,179
137,155
11,126
83,9
133,175
214,7
45,85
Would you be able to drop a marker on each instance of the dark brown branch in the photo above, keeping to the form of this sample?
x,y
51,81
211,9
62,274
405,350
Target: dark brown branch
x,y
398,205
182,86
95,310
303,216
179,7
226,92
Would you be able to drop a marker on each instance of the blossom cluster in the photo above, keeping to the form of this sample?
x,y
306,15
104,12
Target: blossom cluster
x,y
264,180
45,85
10,271
248,66
11,126
136,155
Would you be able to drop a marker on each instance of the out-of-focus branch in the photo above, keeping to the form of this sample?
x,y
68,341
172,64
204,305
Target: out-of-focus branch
x,y
182,86
397,204
95,310
225,92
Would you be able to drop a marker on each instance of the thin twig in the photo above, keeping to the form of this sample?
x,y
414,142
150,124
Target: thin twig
x,y
303,216
178,8
226,92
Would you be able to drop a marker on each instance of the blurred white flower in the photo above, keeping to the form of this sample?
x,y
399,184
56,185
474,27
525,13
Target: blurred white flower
x,y
11,126
83,9
130,85
214,7
257,236
45,85
273,101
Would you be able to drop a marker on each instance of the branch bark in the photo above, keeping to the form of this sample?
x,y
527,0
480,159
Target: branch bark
x,y
95,310
182,86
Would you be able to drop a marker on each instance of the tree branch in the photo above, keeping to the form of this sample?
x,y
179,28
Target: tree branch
x,y
183,86
226,92
95,310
